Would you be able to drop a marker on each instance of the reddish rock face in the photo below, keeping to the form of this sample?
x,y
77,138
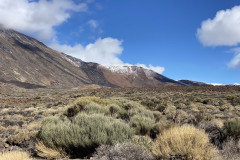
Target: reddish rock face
x,y
133,76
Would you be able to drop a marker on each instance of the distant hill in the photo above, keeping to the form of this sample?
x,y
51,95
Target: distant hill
x,y
28,63
193,83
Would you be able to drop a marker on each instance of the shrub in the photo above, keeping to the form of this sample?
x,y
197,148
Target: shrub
x,y
95,108
160,127
142,112
230,150
114,110
144,141
157,115
226,108
181,117
142,125
125,104
232,128
124,115
170,111
15,155
80,103
161,107
234,100
22,136
202,116
92,99
183,142
125,151
214,130
85,133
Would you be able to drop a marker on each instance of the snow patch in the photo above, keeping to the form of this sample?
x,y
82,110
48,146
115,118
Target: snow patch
x,y
129,70
122,69
217,84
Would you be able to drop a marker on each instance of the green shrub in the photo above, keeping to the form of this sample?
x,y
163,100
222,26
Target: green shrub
x,y
125,104
85,133
157,115
170,111
232,128
234,100
114,110
142,125
92,108
226,107
142,112
79,105
124,115
160,127
161,107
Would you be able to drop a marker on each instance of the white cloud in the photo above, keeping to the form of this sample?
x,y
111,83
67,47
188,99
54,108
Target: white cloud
x,y
93,23
157,69
222,30
235,62
103,51
37,18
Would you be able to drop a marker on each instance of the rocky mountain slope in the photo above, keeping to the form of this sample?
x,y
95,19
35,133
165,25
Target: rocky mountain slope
x,y
28,63
122,76
193,83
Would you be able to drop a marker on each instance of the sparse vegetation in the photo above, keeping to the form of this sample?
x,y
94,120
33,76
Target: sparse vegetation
x,y
57,124
122,151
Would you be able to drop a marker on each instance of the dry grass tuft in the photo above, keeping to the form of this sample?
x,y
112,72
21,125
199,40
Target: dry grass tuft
x,y
15,155
183,142
48,153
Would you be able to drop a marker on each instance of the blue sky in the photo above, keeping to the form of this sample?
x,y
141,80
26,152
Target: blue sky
x,y
182,39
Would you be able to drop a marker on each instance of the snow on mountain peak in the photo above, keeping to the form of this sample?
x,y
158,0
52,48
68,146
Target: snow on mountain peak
x,y
128,69
217,84
122,69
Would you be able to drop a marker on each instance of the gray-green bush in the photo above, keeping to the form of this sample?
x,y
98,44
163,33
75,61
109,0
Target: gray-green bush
x,y
85,133
92,108
143,125
232,128
125,151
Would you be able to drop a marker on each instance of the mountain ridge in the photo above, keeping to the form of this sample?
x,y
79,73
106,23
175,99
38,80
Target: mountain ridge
x,y
26,62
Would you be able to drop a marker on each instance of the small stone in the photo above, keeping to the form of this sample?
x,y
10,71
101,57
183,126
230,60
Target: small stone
x,y
6,145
